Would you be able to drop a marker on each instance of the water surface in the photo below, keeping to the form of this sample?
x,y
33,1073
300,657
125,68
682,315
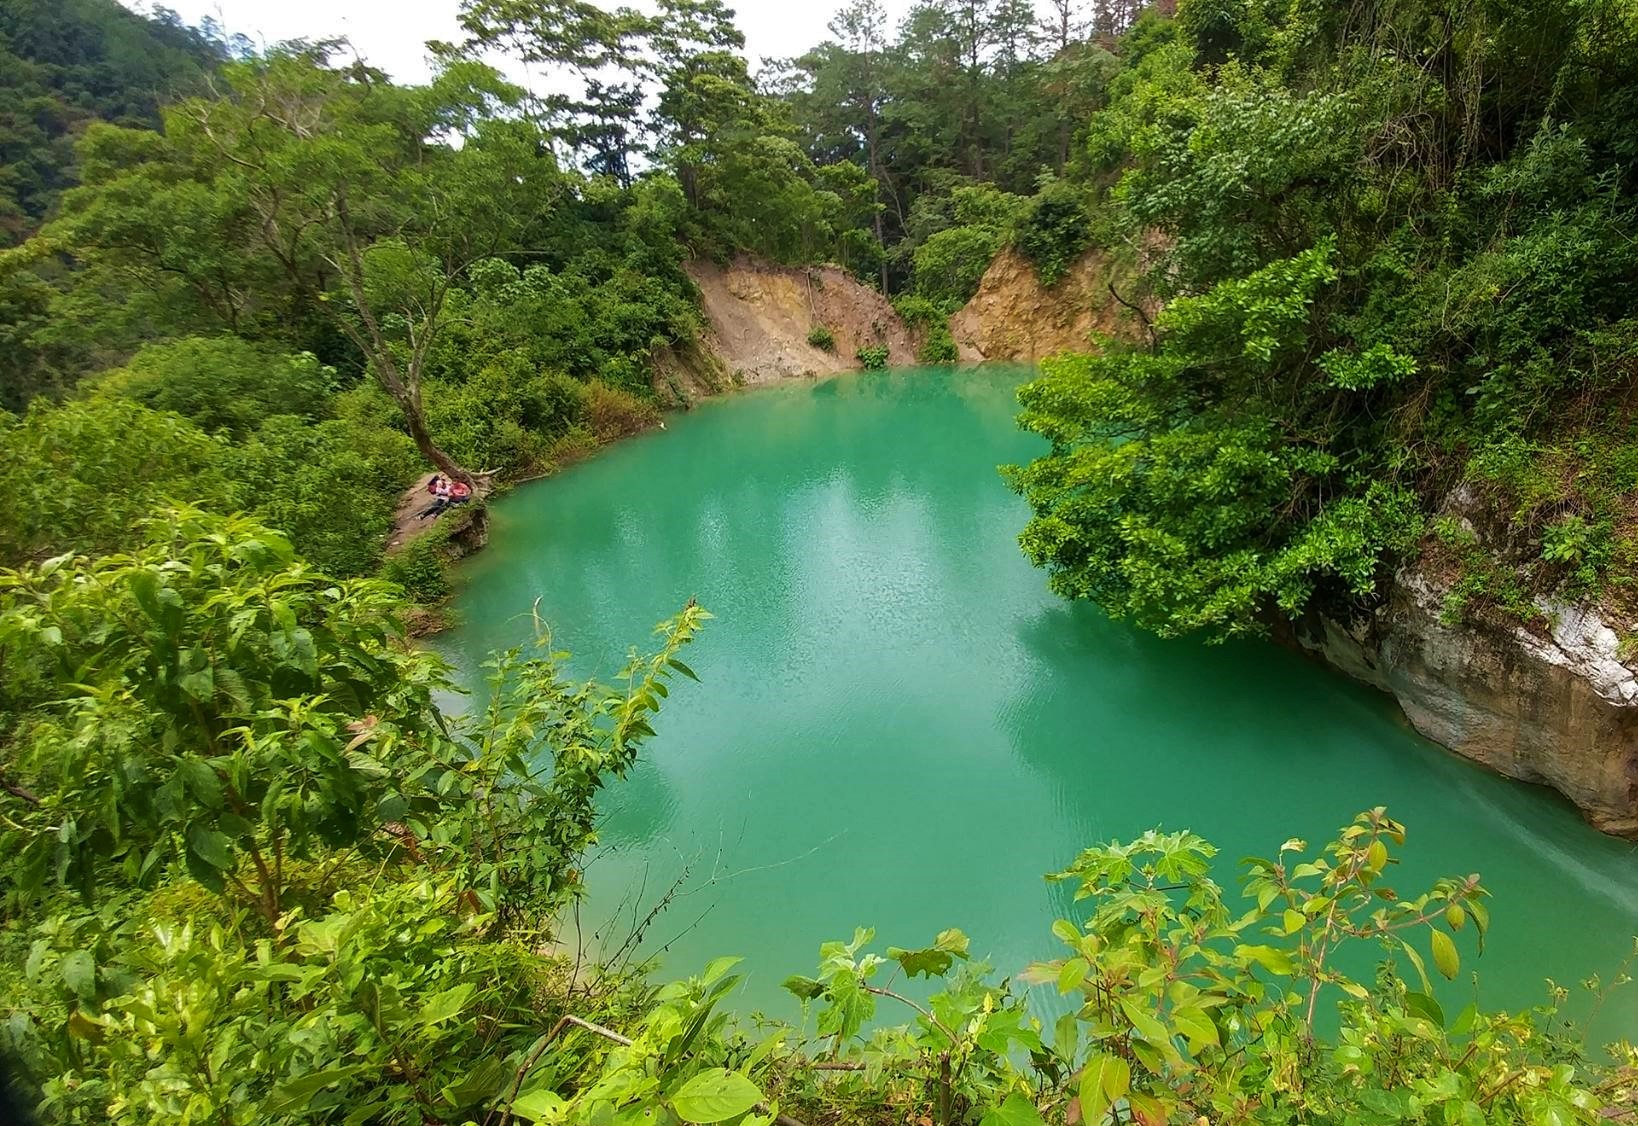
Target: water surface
x,y
900,727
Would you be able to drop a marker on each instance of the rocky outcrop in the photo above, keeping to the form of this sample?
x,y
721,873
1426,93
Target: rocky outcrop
x,y
1556,705
758,318
468,531
1014,317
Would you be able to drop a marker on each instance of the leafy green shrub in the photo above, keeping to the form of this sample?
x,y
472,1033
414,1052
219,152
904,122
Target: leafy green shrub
x,y
872,357
950,264
611,413
938,348
575,444
421,567
821,337
921,312
504,415
332,487
1179,1005
1482,582
932,320
266,879
80,476
1055,230
223,383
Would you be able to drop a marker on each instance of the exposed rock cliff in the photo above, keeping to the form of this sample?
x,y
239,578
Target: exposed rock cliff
x,y
759,315
1014,317
1558,705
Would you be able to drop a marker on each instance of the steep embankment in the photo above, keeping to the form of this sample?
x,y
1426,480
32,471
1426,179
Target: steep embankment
x,y
1546,694
758,318
1014,317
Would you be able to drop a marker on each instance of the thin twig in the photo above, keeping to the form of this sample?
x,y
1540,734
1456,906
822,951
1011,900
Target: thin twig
x,y
924,1012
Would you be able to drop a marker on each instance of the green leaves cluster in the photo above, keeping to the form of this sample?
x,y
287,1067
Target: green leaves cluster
x,y
257,874
1182,1005
872,357
1366,297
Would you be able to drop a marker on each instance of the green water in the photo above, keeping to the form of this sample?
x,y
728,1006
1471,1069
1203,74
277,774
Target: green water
x,y
898,725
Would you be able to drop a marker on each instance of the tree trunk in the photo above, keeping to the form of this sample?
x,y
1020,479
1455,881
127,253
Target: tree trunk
x,y
430,450
376,349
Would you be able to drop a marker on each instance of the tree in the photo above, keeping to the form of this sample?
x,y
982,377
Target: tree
x,y
326,190
861,30
602,123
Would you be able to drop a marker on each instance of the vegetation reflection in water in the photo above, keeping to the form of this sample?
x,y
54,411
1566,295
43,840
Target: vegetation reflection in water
x,y
898,726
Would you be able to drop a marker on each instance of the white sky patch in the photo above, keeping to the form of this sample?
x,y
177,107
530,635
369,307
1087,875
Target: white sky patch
x,y
391,34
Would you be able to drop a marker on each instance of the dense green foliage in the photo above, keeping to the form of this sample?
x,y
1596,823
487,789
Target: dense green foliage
x,y
253,252
256,876
964,97
68,62
1397,278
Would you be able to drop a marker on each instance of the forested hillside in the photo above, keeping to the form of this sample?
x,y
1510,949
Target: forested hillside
x,y
66,64
259,875
295,286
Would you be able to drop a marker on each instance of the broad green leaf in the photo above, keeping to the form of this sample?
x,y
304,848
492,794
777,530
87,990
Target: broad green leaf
x,y
1196,1025
442,1006
1270,958
929,962
1104,1079
1066,1034
1072,974
715,1096
1145,1022
79,973
295,1094
201,685
212,847
1376,857
1445,957
1425,1006
1016,1110
537,1105
1293,921
806,988
717,967
202,782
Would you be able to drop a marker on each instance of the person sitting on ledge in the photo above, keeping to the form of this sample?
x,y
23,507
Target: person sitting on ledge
x,y
445,494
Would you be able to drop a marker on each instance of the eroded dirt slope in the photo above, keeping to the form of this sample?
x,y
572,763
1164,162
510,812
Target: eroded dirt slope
x,y
759,316
1014,317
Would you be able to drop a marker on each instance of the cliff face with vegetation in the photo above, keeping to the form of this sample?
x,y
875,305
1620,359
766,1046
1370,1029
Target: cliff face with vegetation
x,y
761,319
1014,316
1553,705
1540,685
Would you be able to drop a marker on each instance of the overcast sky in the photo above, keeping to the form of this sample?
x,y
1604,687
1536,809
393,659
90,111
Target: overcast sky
x,y
390,33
